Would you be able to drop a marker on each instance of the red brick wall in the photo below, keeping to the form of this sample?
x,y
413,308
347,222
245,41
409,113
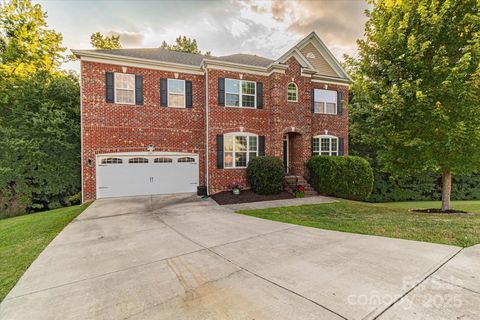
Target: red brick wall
x,y
109,127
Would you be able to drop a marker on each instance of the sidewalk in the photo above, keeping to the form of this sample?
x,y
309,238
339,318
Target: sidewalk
x,y
280,203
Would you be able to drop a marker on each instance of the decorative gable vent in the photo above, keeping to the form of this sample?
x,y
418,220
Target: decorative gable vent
x,y
311,55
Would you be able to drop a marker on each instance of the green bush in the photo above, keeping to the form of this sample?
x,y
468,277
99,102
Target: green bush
x,y
74,199
422,186
265,175
345,177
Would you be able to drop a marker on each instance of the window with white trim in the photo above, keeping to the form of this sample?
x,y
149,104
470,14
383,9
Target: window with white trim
x,y
138,160
186,159
325,101
238,149
124,88
112,161
292,92
163,160
240,93
325,145
176,93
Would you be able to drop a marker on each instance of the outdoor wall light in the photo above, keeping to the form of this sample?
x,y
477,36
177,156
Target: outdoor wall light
x,y
89,162
151,148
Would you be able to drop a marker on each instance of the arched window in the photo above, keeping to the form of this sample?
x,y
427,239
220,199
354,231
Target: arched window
x,y
138,160
186,159
292,92
111,161
325,145
162,160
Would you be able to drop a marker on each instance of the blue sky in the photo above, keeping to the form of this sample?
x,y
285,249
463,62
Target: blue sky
x,y
266,28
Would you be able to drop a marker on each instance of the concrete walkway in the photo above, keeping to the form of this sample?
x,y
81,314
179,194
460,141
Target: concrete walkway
x,y
280,203
180,257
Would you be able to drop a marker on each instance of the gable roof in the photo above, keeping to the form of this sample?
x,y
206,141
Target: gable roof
x,y
314,40
330,66
191,59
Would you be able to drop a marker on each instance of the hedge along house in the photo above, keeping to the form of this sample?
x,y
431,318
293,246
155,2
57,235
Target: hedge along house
x,y
157,122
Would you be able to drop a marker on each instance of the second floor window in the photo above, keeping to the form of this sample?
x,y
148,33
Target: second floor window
x,y
325,101
240,93
124,88
292,92
176,93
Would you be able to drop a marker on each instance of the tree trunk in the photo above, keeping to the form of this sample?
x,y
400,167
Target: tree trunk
x,y
446,189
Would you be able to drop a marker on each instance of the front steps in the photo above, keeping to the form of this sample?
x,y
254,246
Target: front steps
x,y
291,182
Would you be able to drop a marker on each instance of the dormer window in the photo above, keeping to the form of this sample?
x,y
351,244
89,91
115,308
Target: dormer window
x,y
292,92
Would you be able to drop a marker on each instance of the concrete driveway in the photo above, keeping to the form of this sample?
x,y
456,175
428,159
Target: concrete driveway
x,y
180,257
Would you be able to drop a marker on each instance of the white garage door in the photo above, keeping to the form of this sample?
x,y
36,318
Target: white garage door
x,y
120,175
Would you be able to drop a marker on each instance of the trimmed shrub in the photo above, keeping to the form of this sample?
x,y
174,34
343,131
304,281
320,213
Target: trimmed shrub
x,y
422,186
265,175
74,199
345,177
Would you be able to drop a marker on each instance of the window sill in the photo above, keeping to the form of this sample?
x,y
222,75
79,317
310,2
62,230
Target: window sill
x,y
243,108
327,114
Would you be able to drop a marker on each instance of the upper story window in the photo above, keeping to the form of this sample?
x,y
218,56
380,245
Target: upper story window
x,y
239,148
124,88
325,101
176,93
240,93
292,92
325,145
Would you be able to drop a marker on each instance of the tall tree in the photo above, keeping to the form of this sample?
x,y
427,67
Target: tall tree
x,y
39,113
100,41
184,44
416,84
26,43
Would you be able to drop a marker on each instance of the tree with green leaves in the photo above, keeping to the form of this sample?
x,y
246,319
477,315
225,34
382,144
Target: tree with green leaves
x,y
184,44
26,43
100,41
416,86
39,113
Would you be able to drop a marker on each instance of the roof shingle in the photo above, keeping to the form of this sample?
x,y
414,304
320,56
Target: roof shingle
x,y
192,59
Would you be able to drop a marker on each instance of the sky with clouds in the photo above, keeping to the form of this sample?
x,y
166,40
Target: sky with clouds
x,y
266,28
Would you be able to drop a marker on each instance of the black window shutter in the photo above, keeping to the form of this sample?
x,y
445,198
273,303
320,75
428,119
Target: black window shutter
x,y
220,151
339,102
110,87
340,147
311,145
261,145
188,94
313,100
221,92
138,90
163,92
259,95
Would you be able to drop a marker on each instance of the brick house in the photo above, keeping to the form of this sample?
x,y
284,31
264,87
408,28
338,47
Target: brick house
x,y
156,121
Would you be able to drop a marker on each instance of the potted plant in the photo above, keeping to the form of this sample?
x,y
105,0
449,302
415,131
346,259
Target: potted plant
x,y
236,187
299,191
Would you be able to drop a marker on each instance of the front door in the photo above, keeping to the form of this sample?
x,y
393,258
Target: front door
x,y
285,152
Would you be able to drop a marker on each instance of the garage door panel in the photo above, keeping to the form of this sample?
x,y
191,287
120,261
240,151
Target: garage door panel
x,y
163,174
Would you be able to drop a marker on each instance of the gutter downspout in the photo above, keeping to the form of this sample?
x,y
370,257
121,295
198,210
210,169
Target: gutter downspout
x,y
81,134
207,180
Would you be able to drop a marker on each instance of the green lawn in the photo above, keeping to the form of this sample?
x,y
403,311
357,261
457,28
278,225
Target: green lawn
x,y
465,205
387,219
23,238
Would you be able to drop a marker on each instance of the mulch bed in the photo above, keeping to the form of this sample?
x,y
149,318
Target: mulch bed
x,y
439,211
227,197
